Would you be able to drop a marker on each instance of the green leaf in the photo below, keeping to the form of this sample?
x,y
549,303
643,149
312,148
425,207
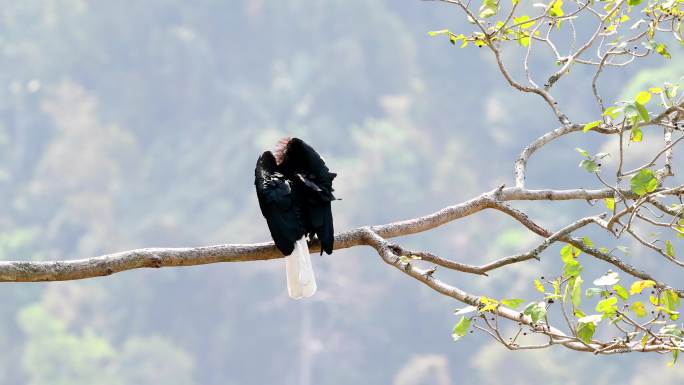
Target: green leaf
x,y
556,9
525,41
572,269
610,203
675,354
612,111
669,249
592,291
521,20
489,304
576,293
461,328
643,113
536,311
538,285
608,279
633,3
591,125
655,90
643,97
569,253
671,301
489,8
636,135
644,182
587,242
621,292
585,331
513,303
671,90
661,49
639,309
589,165
440,32
674,315
607,306
583,152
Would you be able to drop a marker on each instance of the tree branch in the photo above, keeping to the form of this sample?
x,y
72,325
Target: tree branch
x,y
39,271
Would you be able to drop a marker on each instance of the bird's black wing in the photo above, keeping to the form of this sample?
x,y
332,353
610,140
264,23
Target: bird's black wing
x,y
277,204
313,178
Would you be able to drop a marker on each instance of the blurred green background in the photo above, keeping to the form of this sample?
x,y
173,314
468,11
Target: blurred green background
x,y
127,124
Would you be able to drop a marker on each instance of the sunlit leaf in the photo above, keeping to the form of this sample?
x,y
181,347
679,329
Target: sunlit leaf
x,y
513,303
639,309
591,125
440,32
607,306
461,328
612,111
556,9
489,304
638,286
621,292
643,97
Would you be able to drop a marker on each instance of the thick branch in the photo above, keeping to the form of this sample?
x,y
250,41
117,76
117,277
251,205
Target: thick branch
x,y
37,271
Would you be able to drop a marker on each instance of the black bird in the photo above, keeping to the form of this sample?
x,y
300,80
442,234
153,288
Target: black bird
x,y
294,188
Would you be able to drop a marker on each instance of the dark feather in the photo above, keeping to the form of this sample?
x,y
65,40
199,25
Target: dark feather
x,y
313,180
300,167
277,203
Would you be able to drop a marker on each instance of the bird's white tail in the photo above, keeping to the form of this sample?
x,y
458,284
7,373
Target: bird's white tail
x,y
300,276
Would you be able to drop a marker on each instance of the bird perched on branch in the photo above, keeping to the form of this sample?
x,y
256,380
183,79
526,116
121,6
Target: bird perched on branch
x,y
294,188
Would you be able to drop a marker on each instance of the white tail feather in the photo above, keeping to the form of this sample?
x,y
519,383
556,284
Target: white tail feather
x,y
300,277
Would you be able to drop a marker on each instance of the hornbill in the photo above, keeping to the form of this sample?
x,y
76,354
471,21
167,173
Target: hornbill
x,y
294,189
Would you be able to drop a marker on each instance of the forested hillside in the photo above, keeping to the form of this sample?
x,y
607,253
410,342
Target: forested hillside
x,y
127,124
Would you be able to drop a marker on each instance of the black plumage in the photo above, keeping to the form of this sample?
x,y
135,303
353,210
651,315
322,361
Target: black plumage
x,y
294,188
